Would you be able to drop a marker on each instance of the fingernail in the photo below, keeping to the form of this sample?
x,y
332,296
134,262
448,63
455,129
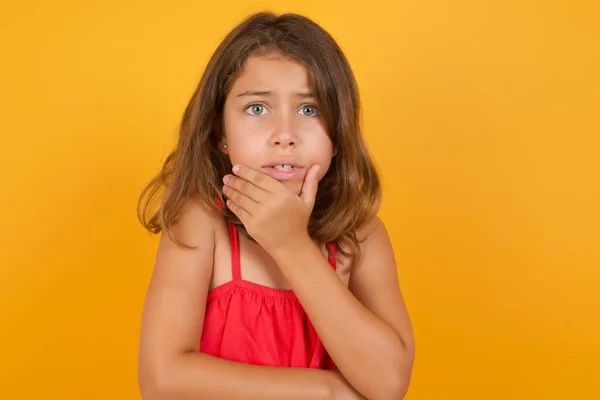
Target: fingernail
x,y
225,178
235,168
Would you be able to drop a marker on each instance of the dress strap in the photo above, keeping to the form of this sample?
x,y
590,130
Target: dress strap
x,y
236,271
331,255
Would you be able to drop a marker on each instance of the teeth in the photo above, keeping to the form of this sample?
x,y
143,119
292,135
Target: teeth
x,y
282,167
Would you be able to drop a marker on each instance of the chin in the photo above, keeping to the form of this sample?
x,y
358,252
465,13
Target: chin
x,y
293,186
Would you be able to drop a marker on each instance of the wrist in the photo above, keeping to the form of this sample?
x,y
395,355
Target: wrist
x,y
292,247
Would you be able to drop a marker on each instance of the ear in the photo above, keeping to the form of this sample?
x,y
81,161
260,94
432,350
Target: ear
x,y
222,141
335,151
222,145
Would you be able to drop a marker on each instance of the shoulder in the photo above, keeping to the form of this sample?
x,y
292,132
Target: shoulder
x,y
375,247
370,229
195,223
370,233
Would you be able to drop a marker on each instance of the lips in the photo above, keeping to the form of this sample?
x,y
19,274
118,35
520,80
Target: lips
x,y
283,170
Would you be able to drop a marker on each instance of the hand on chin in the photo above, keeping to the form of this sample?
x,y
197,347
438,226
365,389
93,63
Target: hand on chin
x,y
295,186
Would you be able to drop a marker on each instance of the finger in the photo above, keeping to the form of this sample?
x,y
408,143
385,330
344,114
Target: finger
x,y
239,212
240,199
247,188
310,185
257,178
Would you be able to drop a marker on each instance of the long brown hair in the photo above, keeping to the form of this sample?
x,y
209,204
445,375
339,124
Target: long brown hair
x,y
349,193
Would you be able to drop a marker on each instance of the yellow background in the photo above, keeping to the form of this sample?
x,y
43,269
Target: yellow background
x,y
484,120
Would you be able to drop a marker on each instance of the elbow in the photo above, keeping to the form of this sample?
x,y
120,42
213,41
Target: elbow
x,y
397,379
402,372
394,390
153,384
148,391
389,385
149,387
398,390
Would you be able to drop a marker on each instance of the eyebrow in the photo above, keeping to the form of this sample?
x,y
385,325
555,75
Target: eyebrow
x,y
269,93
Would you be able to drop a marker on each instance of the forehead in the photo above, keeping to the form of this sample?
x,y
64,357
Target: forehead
x,y
273,72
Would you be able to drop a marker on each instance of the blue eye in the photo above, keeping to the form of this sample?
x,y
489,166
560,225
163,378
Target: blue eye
x,y
256,109
309,111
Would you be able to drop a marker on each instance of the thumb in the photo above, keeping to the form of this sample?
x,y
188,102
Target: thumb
x,y
310,186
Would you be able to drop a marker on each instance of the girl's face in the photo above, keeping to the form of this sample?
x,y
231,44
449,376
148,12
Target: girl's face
x,y
272,122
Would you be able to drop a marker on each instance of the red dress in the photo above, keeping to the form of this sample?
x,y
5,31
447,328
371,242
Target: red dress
x,y
256,324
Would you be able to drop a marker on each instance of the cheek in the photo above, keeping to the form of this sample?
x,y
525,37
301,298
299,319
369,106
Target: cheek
x,y
244,148
323,149
315,131
240,134
325,165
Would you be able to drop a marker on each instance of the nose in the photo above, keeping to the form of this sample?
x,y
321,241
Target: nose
x,y
284,135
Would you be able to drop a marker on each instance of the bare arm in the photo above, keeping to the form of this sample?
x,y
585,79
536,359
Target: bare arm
x,y
366,329
198,376
170,366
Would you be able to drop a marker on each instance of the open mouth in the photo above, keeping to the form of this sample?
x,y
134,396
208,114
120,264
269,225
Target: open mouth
x,y
282,167
283,171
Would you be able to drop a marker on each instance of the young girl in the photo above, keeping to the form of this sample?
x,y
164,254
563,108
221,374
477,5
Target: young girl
x,y
274,278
